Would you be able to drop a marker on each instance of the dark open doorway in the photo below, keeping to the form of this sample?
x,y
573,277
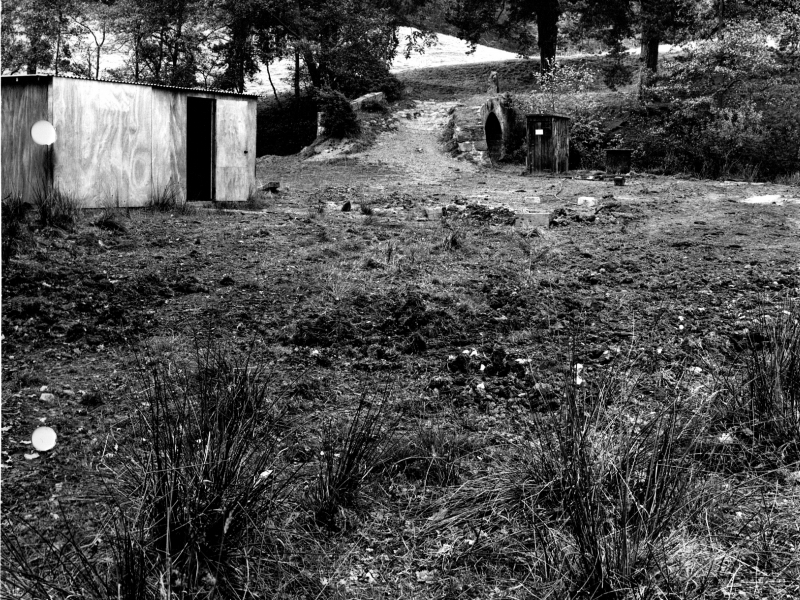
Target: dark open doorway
x,y
494,136
200,148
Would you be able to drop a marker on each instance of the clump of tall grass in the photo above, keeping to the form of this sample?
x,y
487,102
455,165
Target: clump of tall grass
x,y
167,200
590,500
212,465
195,495
348,456
15,230
56,208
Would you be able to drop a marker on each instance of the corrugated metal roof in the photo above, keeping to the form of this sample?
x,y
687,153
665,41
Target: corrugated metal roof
x,y
155,85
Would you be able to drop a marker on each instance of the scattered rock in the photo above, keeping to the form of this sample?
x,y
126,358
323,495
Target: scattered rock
x,y
47,397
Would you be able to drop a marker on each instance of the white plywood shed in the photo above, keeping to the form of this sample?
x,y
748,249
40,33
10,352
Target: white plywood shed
x,y
123,143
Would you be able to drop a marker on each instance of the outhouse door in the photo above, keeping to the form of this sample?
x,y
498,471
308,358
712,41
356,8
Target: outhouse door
x,y
541,135
233,160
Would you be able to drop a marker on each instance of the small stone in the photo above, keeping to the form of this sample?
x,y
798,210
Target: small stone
x,y
587,201
47,397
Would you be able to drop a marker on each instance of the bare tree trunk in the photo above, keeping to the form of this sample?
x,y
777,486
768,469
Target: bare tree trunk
x,y
274,92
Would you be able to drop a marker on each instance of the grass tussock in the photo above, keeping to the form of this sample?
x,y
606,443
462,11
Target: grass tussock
x,y
348,456
57,208
590,501
168,200
204,469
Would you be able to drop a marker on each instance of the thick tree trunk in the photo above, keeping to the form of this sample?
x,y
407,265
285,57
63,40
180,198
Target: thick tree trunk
x,y
547,28
649,58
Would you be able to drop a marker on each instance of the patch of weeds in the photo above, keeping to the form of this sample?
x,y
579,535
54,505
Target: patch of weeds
x,y
453,236
365,208
57,208
110,219
255,200
789,179
346,459
15,230
431,455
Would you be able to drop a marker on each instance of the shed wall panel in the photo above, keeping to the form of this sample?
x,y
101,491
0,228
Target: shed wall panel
x,y
103,152
169,141
25,164
236,149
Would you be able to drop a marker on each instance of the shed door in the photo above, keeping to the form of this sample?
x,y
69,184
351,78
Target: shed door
x,y
199,148
235,169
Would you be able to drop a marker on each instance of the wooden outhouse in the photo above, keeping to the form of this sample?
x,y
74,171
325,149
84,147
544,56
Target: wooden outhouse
x,y
548,143
124,143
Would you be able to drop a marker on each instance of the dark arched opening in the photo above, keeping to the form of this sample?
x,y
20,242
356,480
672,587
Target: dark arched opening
x,y
494,136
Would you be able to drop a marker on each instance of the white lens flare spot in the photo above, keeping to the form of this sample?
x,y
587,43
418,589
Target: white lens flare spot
x,y
43,133
44,439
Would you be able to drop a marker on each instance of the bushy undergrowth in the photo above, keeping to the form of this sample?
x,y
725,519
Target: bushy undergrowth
x,y
285,125
729,108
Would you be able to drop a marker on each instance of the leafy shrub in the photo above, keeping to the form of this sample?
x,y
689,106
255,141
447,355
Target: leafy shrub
x,y
57,209
587,143
338,117
15,232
